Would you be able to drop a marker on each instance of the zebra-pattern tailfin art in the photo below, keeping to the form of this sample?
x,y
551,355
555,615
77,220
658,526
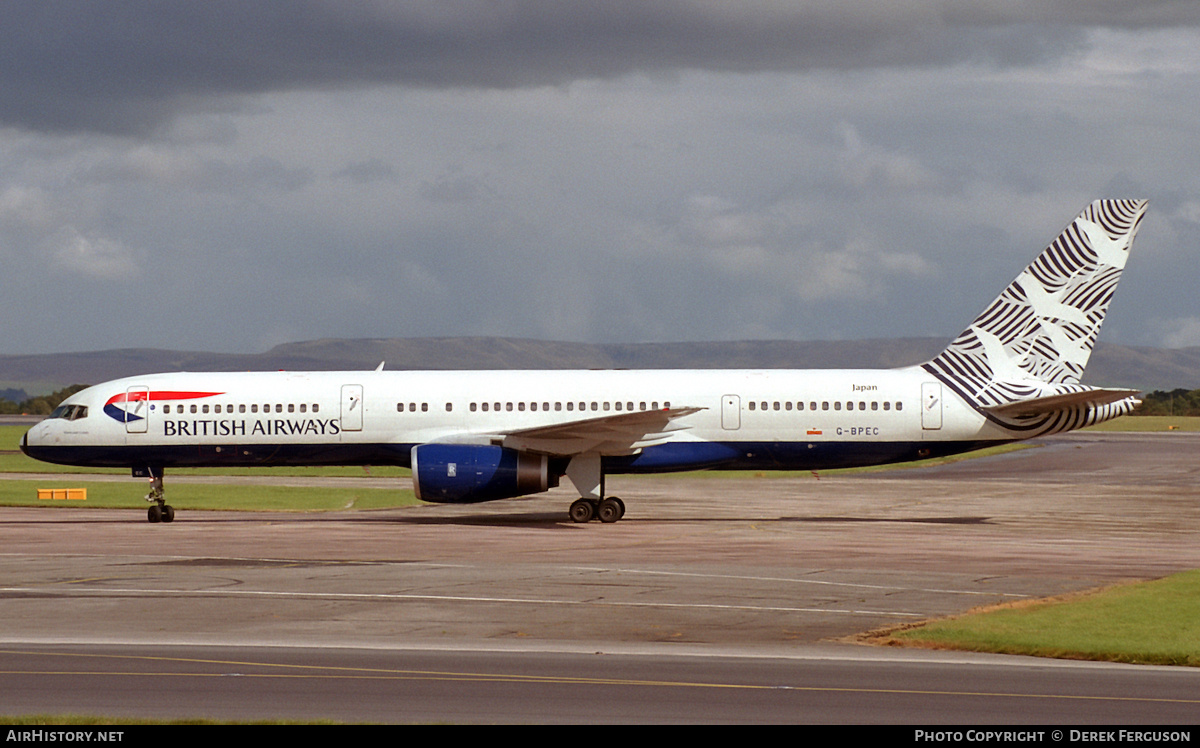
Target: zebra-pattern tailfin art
x,y
1035,339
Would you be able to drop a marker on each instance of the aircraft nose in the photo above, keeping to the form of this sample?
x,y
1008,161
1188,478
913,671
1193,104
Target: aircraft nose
x,y
30,446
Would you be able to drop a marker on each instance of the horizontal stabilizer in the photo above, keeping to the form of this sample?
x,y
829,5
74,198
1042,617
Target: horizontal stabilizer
x,y
1052,403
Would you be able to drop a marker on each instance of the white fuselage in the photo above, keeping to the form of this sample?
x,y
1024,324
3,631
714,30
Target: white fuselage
x,y
784,419
1013,373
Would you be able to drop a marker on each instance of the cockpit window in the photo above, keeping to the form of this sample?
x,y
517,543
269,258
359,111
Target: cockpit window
x,y
70,412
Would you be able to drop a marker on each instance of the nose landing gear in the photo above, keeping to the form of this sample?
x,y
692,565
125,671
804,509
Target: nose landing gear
x,y
161,511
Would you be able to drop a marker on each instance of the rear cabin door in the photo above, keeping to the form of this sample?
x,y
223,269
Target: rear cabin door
x,y
931,405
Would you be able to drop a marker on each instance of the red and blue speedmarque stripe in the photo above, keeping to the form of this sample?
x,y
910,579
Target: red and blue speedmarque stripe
x,y
113,408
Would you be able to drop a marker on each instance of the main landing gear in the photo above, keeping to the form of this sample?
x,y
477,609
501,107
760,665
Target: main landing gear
x,y
587,475
161,511
606,510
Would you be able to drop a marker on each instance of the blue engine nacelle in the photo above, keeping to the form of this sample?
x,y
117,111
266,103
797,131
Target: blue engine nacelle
x,y
469,473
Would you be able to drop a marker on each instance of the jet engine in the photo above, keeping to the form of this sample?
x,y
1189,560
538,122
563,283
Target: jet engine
x,y
470,473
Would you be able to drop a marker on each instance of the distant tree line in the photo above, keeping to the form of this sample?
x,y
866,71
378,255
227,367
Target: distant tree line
x,y
40,406
1178,402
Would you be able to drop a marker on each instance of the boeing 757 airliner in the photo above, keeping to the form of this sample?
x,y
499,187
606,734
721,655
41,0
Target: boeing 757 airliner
x,y
472,436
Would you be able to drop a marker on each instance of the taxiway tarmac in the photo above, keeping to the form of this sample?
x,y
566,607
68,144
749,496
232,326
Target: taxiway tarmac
x,y
758,571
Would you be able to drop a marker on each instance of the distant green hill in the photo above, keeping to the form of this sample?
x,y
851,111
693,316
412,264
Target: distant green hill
x,y
1145,369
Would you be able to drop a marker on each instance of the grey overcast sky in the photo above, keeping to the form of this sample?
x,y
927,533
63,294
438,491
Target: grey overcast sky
x,y
229,175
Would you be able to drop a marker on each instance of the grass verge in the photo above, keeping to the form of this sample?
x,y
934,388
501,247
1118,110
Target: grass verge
x,y
1156,623
1149,423
185,496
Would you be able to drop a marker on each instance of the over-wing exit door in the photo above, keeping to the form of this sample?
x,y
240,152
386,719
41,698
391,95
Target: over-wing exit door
x,y
731,412
352,407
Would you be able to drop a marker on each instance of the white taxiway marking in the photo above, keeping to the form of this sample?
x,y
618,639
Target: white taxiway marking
x,y
107,591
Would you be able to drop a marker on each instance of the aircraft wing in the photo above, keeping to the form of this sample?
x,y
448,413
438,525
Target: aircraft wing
x,y
621,433
1051,403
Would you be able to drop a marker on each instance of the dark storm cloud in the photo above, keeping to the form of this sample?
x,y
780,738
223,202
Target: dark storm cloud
x,y
127,67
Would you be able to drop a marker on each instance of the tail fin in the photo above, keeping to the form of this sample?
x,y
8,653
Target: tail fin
x,y
1036,337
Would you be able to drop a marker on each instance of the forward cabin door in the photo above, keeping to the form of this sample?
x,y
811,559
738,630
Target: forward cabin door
x,y
931,405
137,410
731,412
352,407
